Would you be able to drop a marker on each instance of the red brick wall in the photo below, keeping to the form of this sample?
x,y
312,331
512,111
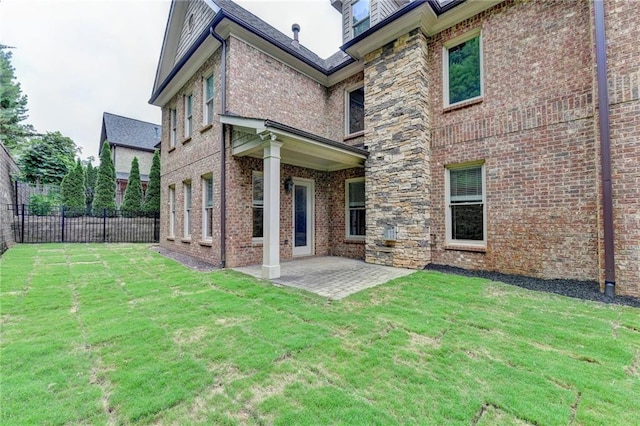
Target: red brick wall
x,y
262,87
190,160
534,129
623,57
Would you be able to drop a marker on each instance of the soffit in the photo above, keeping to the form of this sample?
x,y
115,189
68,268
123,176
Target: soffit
x,y
299,148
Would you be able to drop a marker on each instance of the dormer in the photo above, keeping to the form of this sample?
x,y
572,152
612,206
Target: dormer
x,y
360,15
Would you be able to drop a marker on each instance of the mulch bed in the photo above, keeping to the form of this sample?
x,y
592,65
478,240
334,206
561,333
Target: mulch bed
x,y
586,290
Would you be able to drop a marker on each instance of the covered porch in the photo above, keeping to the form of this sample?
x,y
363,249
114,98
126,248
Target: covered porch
x,y
278,145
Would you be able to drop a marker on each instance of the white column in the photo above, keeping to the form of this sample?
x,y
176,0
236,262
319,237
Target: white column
x,y
271,237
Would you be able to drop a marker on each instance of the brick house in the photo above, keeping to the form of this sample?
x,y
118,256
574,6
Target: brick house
x,y
129,138
464,133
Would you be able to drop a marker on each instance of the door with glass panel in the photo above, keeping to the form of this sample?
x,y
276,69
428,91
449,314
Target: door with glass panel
x,y
303,208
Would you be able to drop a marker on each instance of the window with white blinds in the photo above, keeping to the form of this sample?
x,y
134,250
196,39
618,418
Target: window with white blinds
x,y
465,198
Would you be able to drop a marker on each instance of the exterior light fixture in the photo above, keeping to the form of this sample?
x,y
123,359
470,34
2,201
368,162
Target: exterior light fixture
x,y
288,185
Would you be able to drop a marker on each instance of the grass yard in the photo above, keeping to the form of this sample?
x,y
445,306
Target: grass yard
x,y
117,334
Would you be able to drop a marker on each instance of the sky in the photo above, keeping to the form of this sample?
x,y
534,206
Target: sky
x,y
75,59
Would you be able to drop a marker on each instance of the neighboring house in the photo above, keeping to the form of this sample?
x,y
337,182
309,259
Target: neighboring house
x,y
129,138
463,133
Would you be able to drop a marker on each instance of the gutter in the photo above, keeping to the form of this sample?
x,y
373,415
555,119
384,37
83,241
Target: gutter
x,y
605,149
223,151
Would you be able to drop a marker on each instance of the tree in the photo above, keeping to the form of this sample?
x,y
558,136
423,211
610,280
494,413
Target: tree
x,y
152,197
13,107
91,177
133,194
464,71
48,159
73,191
105,194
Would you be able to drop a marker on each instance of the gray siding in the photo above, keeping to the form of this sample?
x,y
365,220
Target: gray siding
x,y
379,9
346,21
387,7
202,16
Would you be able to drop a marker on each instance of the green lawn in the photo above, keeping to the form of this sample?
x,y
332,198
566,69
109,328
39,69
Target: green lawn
x,y
117,334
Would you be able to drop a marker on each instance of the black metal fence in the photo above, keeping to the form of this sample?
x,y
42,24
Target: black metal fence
x,y
35,224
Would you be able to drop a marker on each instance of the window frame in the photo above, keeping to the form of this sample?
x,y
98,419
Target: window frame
x,y
172,211
347,209
173,123
355,24
207,209
188,116
450,241
450,44
254,206
207,103
347,110
188,205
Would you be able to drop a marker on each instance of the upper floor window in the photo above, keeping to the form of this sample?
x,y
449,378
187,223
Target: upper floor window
x,y
360,16
355,111
207,207
174,127
258,204
462,68
355,208
465,198
208,100
188,116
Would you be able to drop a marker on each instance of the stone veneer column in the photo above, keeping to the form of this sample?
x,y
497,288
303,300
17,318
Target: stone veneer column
x,y
397,134
271,220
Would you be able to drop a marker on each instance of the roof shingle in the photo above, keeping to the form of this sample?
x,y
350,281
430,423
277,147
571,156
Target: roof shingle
x,y
130,132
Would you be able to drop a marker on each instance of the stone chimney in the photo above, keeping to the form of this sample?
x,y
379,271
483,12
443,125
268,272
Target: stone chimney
x,y
296,29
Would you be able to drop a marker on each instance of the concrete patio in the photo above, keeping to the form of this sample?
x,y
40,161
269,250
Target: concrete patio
x,y
328,276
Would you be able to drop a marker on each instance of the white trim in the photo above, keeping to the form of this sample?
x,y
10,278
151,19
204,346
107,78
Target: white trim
x,y
347,211
309,249
347,92
447,191
256,240
354,24
172,211
205,223
188,117
445,65
205,100
187,207
173,127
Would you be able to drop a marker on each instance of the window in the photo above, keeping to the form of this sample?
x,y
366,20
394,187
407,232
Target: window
x,y
360,16
187,209
208,100
354,196
174,127
465,198
172,211
258,204
188,116
355,111
207,207
462,69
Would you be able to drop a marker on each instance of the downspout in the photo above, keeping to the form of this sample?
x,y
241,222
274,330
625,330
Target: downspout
x,y
605,149
223,152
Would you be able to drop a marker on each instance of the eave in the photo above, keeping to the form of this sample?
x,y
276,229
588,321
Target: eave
x,y
428,16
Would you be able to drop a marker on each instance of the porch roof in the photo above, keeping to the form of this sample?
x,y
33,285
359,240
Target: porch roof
x,y
299,148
